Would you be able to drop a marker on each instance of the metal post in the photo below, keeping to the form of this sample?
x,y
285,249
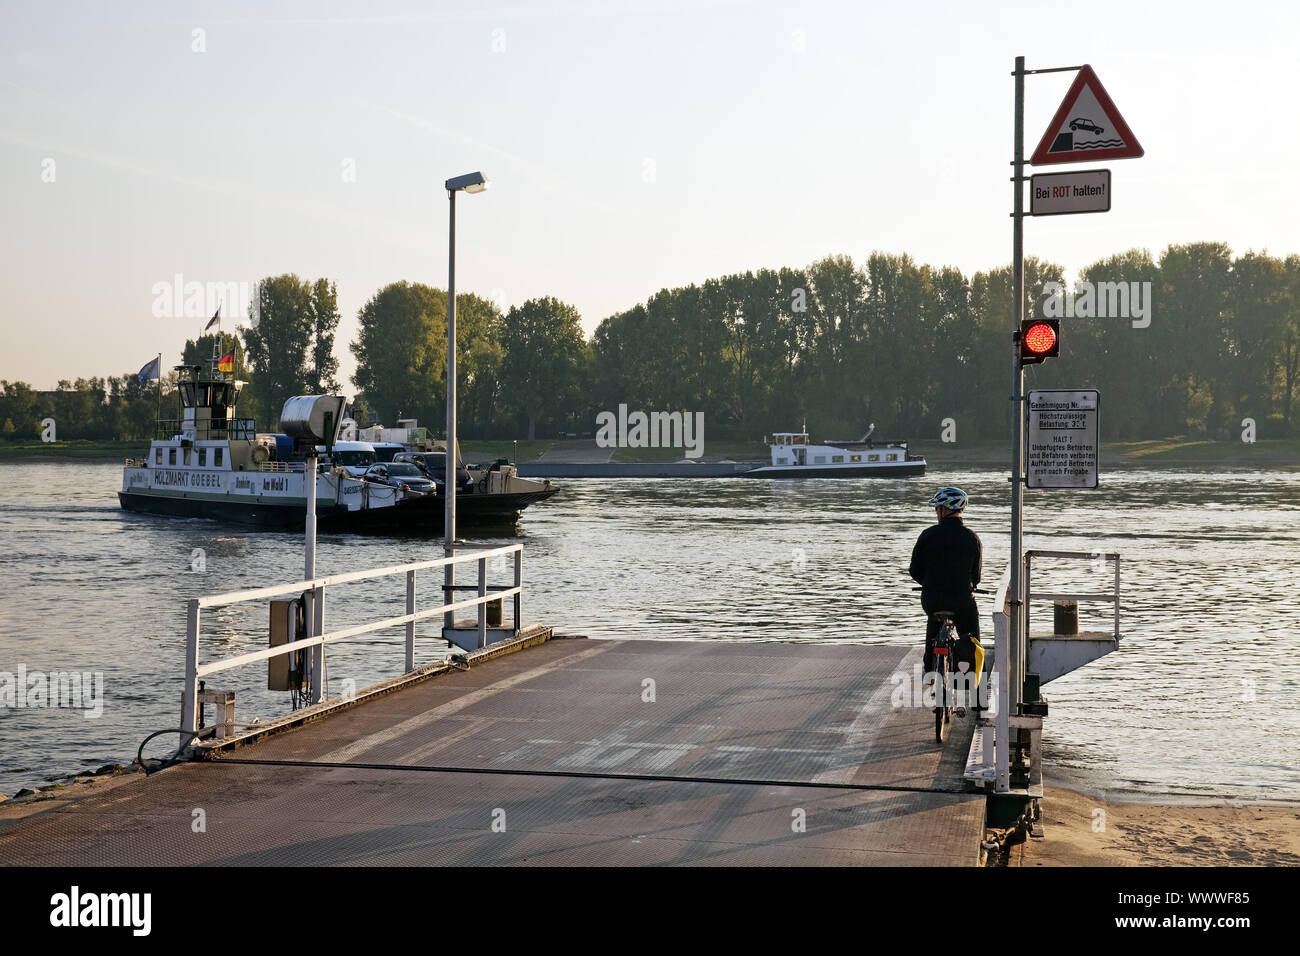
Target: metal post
x,y
449,487
1117,597
1001,739
1028,559
309,547
519,581
410,625
189,702
316,628
482,606
310,611
1015,623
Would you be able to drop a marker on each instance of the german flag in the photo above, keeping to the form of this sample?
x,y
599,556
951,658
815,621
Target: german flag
x,y
227,363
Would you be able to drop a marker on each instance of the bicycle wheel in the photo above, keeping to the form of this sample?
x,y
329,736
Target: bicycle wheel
x,y
942,713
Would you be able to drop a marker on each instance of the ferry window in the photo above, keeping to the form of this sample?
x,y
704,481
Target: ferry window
x,y
891,458
185,456
171,456
873,458
837,458
203,458
217,455
855,458
157,456
819,460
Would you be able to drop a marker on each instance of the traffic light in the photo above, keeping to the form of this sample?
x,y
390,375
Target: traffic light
x,y
1039,339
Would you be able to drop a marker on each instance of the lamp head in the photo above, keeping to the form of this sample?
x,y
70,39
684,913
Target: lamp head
x,y
474,182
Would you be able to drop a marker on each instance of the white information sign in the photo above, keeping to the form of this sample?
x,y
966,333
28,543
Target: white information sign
x,y
1063,438
1056,194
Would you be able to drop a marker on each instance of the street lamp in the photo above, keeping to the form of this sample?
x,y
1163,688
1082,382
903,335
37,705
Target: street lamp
x,y
474,182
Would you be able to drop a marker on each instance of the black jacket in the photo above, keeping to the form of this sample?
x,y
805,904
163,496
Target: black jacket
x,y
946,562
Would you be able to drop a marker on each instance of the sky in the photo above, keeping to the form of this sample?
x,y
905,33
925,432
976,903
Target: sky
x,y
631,146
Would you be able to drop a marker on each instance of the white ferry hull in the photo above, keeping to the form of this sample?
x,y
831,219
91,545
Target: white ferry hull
x,y
887,469
281,503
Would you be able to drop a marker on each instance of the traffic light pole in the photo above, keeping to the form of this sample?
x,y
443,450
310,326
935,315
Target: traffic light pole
x,y
1011,673
1011,683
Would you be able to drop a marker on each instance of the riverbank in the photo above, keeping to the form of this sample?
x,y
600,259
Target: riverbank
x,y
1088,830
29,451
1177,452
1159,453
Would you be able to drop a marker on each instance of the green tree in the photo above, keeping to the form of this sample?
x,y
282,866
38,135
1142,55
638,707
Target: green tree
x,y
323,308
290,348
18,405
1112,354
1289,342
1191,335
479,357
401,352
1257,338
543,357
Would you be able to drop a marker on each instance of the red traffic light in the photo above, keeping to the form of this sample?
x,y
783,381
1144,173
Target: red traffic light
x,y
1039,339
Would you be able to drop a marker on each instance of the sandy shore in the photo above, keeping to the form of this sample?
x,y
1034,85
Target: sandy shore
x,y
1152,834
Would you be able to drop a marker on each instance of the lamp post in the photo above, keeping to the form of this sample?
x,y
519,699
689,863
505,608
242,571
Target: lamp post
x,y
474,182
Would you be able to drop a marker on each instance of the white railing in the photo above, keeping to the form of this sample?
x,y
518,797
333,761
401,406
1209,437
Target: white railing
x,y
316,638
1097,556
997,759
992,762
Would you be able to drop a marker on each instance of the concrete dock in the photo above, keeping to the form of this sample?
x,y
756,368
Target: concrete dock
x,y
572,752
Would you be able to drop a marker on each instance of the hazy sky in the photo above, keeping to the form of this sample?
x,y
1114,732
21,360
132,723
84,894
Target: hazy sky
x,y
631,146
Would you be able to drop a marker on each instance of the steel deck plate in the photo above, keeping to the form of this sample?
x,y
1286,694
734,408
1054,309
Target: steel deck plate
x,y
739,741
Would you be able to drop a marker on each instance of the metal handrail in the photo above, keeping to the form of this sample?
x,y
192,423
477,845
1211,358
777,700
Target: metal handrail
x,y
167,429
315,625
1113,598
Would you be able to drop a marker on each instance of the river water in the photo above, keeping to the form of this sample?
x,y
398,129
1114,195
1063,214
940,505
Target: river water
x,y
1200,701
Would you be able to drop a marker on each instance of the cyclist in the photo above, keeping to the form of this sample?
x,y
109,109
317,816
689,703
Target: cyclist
x,y
946,562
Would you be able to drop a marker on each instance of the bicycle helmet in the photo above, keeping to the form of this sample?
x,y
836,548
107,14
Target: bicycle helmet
x,y
954,499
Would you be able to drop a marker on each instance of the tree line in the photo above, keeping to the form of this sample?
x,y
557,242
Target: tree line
x,y
912,348
908,347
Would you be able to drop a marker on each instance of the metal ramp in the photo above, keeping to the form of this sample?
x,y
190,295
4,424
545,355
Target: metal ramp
x,y
568,753
1024,663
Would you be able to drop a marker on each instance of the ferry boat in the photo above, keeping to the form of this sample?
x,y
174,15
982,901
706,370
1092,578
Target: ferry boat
x,y
212,464
794,455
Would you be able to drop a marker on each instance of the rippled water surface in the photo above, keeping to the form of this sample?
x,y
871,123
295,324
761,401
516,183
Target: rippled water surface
x,y
1200,700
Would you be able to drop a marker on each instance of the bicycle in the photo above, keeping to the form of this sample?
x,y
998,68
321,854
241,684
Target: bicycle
x,y
943,650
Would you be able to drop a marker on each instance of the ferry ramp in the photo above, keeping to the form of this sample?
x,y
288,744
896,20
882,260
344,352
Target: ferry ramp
x,y
572,752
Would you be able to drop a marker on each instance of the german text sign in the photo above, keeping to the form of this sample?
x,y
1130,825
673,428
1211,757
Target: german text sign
x,y
1056,194
1063,438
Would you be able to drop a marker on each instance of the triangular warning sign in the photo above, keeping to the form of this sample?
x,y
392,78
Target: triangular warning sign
x,y
1086,127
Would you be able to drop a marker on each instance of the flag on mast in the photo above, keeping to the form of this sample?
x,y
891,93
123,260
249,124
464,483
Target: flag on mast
x,y
216,317
151,371
227,363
